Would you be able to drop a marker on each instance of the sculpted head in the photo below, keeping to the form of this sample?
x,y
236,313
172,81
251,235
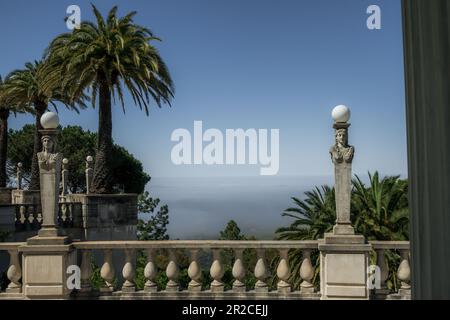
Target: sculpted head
x,y
341,137
48,144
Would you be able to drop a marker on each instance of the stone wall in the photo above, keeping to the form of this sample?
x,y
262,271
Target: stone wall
x,y
5,195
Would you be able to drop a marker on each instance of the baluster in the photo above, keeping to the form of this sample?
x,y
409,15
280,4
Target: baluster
x,y
36,225
26,218
65,214
128,272
107,271
283,272
306,273
71,214
38,209
216,271
194,272
18,223
14,272
238,271
150,272
86,271
172,273
261,272
59,219
404,273
384,272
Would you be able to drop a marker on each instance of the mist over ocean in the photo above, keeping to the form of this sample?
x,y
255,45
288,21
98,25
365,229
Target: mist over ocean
x,y
199,208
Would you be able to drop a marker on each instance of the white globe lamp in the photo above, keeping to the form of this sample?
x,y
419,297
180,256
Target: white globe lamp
x,y
50,120
341,114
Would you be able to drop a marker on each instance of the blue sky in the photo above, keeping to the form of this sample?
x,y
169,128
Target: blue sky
x,y
248,64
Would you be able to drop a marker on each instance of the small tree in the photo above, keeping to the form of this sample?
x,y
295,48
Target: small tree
x,y
155,228
233,232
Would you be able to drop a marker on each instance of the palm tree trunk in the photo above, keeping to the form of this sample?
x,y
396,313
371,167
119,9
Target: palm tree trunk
x,y
102,180
35,182
4,114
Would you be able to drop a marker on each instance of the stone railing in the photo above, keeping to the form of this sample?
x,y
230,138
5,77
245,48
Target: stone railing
x,y
28,217
403,273
14,270
216,289
216,270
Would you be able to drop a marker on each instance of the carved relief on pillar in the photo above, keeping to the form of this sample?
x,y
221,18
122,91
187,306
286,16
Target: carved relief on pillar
x,y
48,159
341,151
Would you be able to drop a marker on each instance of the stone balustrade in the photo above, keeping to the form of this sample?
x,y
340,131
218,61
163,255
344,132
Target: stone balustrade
x,y
28,217
126,288
403,272
216,288
14,270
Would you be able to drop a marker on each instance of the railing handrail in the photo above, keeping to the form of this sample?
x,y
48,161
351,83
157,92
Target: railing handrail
x,y
403,245
198,244
5,246
210,244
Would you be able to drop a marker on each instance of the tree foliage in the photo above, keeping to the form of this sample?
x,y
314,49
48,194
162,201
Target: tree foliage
x,y
155,228
75,144
106,57
30,89
379,211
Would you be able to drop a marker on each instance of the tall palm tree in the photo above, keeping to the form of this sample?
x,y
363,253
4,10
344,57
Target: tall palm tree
x,y
5,109
28,88
380,210
313,217
105,57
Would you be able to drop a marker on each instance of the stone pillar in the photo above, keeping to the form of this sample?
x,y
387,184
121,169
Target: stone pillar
x,y
47,256
343,255
49,172
19,176
342,156
426,34
89,172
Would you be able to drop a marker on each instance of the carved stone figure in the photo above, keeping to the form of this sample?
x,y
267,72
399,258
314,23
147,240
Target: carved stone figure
x,y
341,151
48,160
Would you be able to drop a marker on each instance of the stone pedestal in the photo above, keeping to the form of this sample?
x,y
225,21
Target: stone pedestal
x,y
343,267
26,197
108,216
44,270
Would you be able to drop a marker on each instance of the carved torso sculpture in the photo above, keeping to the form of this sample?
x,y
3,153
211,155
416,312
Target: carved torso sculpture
x,y
341,151
47,159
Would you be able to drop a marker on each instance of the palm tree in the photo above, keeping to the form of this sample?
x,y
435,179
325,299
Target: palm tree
x,y
378,211
29,88
313,217
105,57
5,109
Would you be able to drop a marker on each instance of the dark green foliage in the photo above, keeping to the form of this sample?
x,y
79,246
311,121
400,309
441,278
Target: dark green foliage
x,y
75,144
20,149
108,56
155,228
233,232
378,211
